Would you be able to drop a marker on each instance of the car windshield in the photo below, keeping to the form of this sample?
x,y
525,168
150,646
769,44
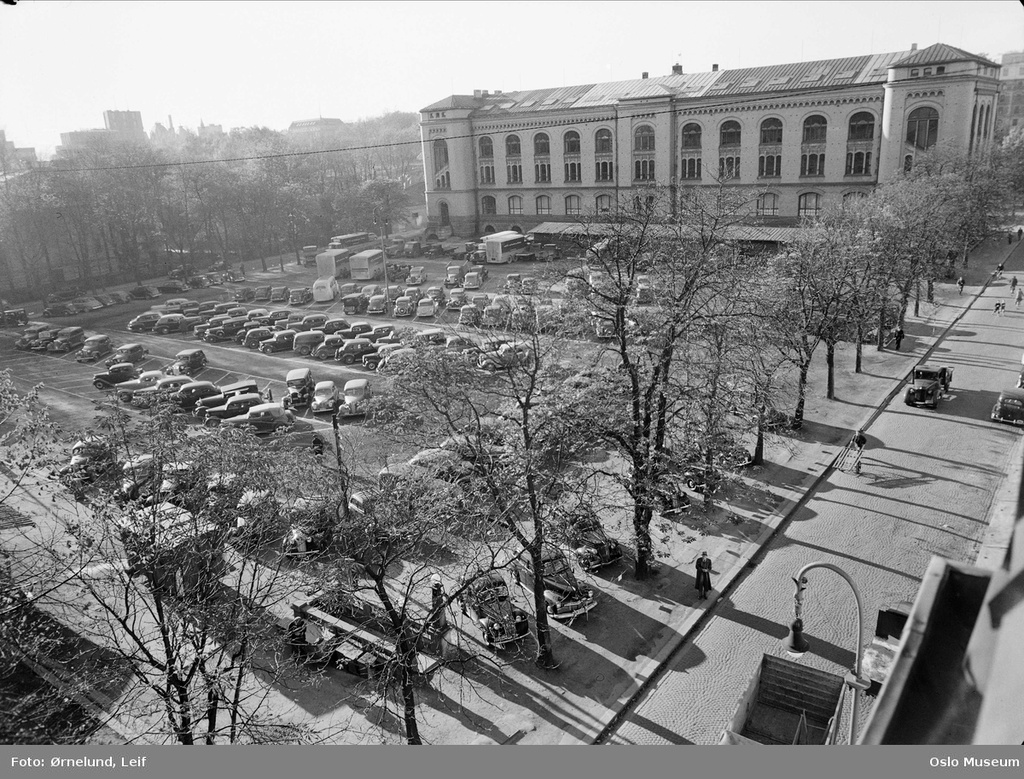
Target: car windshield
x,y
493,593
924,374
325,392
557,567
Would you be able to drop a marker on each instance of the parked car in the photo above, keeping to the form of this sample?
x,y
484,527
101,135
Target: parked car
x,y
132,353
175,305
426,307
469,316
114,375
405,306
176,323
390,356
417,275
173,285
42,341
928,383
280,341
325,397
335,324
472,281
494,316
94,348
352,350
234,406
326,349
200,329
456,299
371,360
262,293
233,276
144,293
485,599
356,394
377,304
263,419
199,281
144,322
369,290
126,389
356,330
348,288
187,362
60,309
246,387
279,294
255,336
434,336
215,278
299,297
305,342
311,322
300,385
160,392
354,304
226,330
564,597
245,294
587,540
30,335
481,270
1009,407
68,339
92,459
87,304
120,297
189,394
378,332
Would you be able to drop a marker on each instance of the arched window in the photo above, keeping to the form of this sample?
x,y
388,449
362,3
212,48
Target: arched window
x,y
486,147
691,136
489,204
572,205
815,129
643,138
603,204
862,127
771,132
809,205
923,127
440,155
729,134
571,141
541,145
445,218
512,148
603,142
768,205
543,203
515,204
488,229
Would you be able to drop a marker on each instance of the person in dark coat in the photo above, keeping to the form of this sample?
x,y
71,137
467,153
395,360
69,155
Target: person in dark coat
x,y
703,574
897,336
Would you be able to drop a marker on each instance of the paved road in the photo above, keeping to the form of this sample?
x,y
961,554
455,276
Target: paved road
x,y
928,481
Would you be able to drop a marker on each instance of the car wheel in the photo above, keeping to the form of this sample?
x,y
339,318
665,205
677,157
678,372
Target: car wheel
x,y
691,484
347,359
211,422
99,385
317,447
551,608
303,351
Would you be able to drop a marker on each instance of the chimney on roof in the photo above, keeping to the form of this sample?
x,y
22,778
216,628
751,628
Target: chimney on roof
x,y
644,74
497,91
485,93
677,69
477,93
913,47
714,68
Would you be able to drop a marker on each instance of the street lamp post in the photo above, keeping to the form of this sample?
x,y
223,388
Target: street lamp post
x,y
385,226
796,645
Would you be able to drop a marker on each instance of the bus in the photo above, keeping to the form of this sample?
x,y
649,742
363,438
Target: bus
x,y
367,265
351,240
330,265
502,247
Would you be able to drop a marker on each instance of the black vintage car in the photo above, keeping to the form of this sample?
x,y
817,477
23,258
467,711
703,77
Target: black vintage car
x,y
193,392
188,362
485,599
588,542
928,384
564,597
14,318
300,387
92,459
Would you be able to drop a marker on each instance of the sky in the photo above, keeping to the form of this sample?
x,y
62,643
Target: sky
x,y
244,63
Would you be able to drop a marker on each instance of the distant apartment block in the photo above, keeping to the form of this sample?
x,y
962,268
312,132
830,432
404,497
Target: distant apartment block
x,y
13,158
85,139
319,126
1010,111
127,124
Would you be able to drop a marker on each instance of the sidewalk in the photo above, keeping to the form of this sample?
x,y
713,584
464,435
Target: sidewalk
x,y
607,661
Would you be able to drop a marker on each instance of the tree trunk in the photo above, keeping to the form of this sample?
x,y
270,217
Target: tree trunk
x,y
880,336
858,352
545,654
917,298
642,539
798,413
830,363
407,658
758,456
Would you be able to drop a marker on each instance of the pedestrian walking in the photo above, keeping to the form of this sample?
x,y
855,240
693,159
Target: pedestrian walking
x,y
897,337
857,443
1013,285
1002,307
703,575
999,270
960,285
1020,297
1020,233
996,311
1009,238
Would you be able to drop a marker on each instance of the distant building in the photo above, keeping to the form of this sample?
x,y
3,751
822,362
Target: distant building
x,y
806,134
1010,112
14,159
127,124
321,126
85,139
210,130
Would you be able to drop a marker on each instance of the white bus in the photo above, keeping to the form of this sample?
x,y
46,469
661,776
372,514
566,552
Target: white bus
x,y
367,265
502,247
355,241
329,266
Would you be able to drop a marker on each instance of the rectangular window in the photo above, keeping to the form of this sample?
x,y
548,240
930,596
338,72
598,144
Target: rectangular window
x,y
729,167
769,166
603,171
486,174
643,170
515,174
812,165
542,172
572,171
691,168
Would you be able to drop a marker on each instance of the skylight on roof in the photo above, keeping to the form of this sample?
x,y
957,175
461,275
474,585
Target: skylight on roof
x,y
847,74
811,77
506,105
549,101
750,82
778,80
723,85
528,103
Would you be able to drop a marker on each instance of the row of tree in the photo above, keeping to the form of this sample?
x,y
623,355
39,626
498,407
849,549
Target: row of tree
x,y
120,212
